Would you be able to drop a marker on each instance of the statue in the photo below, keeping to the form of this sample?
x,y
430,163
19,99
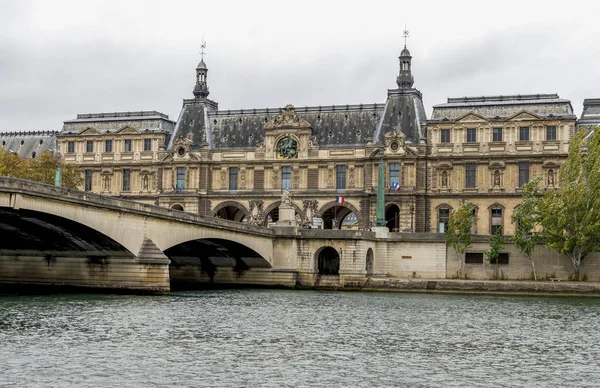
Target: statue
x,y
106,183
286,198
145,183
496,178
444,179
551,178
287,148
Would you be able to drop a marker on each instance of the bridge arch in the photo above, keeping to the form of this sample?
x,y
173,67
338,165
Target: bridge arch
x,y
211,253
231,210
34,230
337,211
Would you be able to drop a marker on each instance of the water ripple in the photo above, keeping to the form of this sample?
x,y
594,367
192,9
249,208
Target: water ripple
x,y
268,338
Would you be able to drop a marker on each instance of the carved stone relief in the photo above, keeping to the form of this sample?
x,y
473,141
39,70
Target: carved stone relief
x,y
351,180
256,210
310,209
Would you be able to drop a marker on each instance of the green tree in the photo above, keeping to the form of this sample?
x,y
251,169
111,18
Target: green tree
x,y
526,218
11,164
458,235
39,170
496,246
570,215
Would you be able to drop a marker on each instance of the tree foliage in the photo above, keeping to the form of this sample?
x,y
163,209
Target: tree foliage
x,y
570,215
496,246
526,218
41,170
458,235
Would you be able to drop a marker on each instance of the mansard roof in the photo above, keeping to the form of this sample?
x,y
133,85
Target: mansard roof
x,y
334,125
152,121
28,142
590,116
503,107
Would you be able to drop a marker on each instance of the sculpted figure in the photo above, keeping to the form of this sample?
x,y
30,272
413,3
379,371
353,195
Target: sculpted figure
x,y
285,198
496,178
444,179
551,178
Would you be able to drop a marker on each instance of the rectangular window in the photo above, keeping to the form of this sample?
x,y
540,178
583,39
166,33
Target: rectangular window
x,y
471,135
471,169
551,132
445,136
147,144
233,178
496,219
70,147
126,180
502,259
108,146
497,134
286,178
474,258
524,133
180,178
523,173
127,145
89,146
444,218
340,177
88,180
395,175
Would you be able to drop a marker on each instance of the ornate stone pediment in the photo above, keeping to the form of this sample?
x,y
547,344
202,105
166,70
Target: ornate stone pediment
x,y
89,131
471,118
287,118
524,116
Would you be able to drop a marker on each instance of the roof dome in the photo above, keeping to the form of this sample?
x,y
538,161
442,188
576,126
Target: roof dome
x,y
405,52
202,65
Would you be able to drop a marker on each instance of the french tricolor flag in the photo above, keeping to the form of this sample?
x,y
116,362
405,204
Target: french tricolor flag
x,y
339,199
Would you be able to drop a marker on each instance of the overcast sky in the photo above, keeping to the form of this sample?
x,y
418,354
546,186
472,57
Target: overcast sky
x,y
60,58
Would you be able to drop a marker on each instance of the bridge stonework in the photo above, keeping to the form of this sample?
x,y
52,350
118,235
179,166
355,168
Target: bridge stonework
x,y
55,236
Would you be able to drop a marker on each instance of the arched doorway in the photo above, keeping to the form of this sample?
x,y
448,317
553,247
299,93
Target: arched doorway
x,y
369,262
328,261
177,207
392,217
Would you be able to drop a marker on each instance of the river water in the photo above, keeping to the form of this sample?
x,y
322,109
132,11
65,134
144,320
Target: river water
x,y
275,338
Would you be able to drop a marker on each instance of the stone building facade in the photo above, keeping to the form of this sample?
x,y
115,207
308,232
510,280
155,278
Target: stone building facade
x,y
484,149
234,164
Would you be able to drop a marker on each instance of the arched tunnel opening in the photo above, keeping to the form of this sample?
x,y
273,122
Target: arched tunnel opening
x,y
197,262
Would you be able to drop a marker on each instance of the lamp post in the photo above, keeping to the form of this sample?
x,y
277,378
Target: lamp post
x,y
380,193
58,174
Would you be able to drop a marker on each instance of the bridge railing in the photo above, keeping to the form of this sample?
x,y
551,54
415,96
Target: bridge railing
x,y
9,184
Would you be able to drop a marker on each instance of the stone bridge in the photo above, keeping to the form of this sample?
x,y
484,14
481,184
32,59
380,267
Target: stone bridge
x,y
52,235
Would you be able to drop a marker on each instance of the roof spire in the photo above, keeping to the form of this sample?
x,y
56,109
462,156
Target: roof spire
x,y
203,46
201,88
405,78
